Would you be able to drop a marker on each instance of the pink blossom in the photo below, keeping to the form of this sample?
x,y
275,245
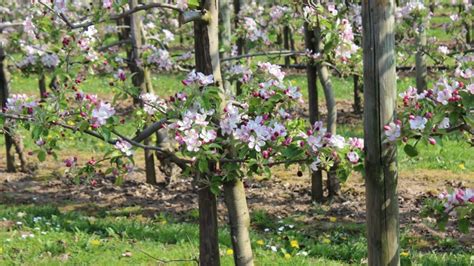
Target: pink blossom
x,y
102,112
107,3
208,136
392,131
353,157
124,146
418,123
356,143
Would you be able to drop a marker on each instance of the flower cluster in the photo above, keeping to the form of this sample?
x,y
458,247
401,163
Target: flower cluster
x,y
456,198
20,103
431,110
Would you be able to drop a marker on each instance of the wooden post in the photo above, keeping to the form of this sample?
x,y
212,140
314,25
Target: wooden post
x,y
206,46
138,80
4,93
379,109
312,78
420,58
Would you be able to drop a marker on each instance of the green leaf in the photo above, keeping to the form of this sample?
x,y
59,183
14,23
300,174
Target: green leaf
x,y
203,165
463,225
410,150
41,156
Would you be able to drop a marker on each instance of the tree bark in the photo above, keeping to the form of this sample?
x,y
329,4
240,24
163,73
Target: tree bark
x,y
420,58
42,86
323,74
379,109
357,99
238,4
312,79
138,80
225,33
4,94
206,46
286,43
239,219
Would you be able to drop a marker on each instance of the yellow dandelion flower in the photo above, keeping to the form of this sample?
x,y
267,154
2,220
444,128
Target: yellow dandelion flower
x,y
230,251
326,241
332,219
95,242
260,242
287,256
1,250
71,123
294,244
462,166
404,254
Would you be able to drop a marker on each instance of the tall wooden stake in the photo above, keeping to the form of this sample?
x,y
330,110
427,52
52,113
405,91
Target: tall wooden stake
x,y
138,80
380,161
420,58
206,46
312,78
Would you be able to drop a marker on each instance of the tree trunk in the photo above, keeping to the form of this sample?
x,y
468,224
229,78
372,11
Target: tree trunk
x,y
4,93
312,78
206,46
323,74
20,150
239,219
225,34
286,43
420,60
42,86
240,41
357,100
379,109
138,80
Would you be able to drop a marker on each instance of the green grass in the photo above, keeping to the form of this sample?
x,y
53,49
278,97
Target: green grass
x,y
42,235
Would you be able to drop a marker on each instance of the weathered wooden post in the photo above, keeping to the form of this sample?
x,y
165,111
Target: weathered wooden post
x,y
225,33
379,109
138,80
312,79
206,46
4,91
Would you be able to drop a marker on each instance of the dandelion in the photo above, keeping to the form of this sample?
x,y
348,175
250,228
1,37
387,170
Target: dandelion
x,y
326,241
294,244
95,242
461,166
404,254
287,256
260,242
230,251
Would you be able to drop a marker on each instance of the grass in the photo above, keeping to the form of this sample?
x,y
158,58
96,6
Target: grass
x,y
44,235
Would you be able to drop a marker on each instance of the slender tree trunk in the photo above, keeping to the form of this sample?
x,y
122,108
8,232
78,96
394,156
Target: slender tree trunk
x,y
138,80
239,219
225,33
20,150
206,45
238,4
42,86
357,97
379,109
286,43
4,93
292,46
323,74
420,64
312,78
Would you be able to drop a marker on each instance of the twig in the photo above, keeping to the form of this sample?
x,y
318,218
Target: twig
x,y
167,261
